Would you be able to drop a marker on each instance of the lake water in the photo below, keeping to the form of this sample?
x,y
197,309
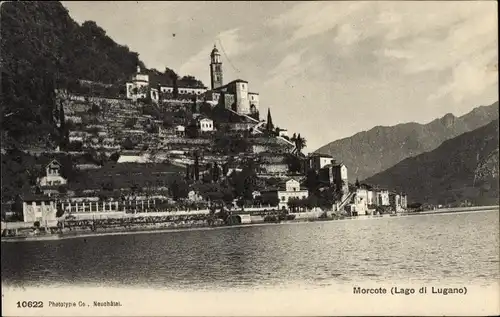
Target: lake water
x,y
456,247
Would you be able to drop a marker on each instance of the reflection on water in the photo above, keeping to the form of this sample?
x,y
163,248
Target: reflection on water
x,y
461,247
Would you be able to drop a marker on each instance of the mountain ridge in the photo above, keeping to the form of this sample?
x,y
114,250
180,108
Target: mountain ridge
x,y
369,152
462,168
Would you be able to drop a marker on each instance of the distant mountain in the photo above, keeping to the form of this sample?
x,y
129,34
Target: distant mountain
x,y
369,152
465,167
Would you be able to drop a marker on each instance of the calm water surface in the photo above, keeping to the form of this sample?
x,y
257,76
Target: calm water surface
x,y
456,247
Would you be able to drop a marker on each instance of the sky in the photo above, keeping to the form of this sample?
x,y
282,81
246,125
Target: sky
x,y
327,70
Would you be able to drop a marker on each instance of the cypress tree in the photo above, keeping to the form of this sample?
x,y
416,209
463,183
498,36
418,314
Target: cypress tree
x,y
196,166
269,124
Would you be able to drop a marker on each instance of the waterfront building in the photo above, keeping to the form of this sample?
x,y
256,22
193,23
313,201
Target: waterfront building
x,y
39,208
397,201
82,205
286,190
382,198
361,201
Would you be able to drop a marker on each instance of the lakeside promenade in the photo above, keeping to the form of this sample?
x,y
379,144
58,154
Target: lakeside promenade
x,y
193,220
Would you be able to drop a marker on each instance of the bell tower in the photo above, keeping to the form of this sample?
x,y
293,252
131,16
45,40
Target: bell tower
x,y
215,69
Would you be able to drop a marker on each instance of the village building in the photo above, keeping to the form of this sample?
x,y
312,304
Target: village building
x,y
286,190
199,91
139,86
382,198
283,133
194,196
397,201
205,125
39,208
234,95
180,130
53,175
334,174
318,161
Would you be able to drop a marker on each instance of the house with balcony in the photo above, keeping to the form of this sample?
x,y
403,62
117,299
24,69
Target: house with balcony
x,y
53,175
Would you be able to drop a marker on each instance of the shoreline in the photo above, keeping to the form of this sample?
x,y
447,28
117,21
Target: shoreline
x,y
169,228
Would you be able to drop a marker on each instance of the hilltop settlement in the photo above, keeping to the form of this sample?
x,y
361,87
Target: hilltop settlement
x,y
156,155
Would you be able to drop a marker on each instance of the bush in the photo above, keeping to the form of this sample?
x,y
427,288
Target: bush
x,y
290,217
37,224
270,218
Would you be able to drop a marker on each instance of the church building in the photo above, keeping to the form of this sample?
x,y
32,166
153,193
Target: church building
x,y
234,95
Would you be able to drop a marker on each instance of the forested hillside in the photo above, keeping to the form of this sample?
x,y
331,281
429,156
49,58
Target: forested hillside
x,y
42,49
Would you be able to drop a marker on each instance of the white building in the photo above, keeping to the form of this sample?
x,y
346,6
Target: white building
x,y
383,198
139,86
319,161
52,176
184,90
180,130
206,125
283,133
194,196
39,208
287,190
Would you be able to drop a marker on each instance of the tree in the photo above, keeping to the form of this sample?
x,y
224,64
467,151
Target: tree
x,y
215,172
300,143
179,189
312,181
294,163
196,166
62,189
269,123
60,211
74,146
175,80
168,122
357,183
94,109
192,130
206,109
130,123
114,157
128,144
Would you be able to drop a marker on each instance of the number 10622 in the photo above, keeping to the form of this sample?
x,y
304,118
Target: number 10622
x,y
30,304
